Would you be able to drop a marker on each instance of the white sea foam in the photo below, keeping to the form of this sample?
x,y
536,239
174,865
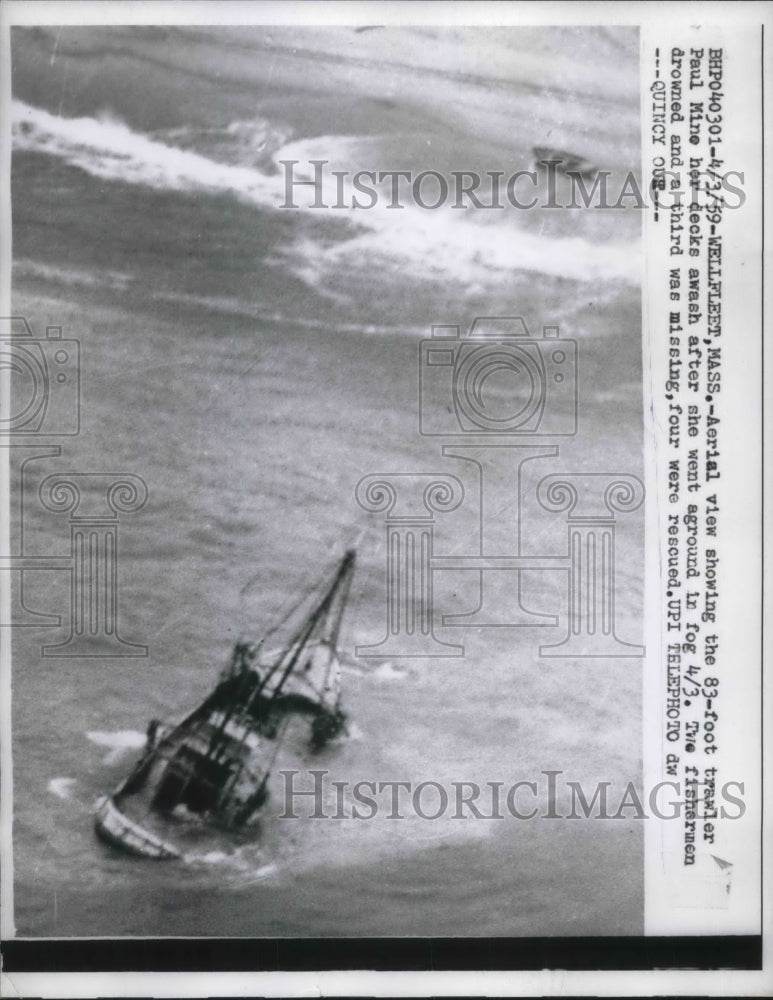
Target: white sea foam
x,y
109,149
125,738
388,672
241,143
353,732
443,244
73,277
61,787
118,742
266,871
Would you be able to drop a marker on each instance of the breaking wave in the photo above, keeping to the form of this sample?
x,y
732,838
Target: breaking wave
x,y
117,742
61,787
432,245
107,148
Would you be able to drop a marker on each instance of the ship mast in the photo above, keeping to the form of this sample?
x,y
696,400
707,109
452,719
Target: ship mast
x,y
328,612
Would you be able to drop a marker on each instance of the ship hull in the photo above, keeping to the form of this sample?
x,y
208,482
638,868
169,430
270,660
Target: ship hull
x,y
117,830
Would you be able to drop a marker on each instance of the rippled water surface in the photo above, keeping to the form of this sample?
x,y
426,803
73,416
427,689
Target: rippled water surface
x,y
252,365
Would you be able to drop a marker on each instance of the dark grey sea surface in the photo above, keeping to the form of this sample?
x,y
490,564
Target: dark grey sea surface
x,y
251,366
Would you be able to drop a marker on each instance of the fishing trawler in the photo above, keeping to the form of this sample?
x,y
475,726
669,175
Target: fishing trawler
x,y
214,766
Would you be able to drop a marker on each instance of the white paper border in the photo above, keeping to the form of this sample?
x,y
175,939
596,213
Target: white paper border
x,y
551,983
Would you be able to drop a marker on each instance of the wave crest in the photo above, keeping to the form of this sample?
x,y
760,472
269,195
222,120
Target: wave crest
x,y
429,245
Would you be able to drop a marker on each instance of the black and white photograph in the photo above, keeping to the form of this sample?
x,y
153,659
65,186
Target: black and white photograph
x,y
370,470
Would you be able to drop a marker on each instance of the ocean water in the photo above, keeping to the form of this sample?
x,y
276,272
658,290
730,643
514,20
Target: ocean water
x,y
252,364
